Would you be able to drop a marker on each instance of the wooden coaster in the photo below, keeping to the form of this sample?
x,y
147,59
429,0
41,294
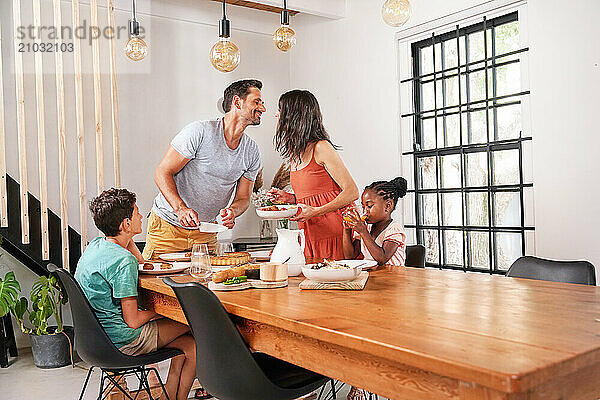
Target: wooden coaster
x,y
251,283
357,284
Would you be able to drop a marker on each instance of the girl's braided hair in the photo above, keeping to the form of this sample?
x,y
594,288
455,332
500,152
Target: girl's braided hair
x,y
394,189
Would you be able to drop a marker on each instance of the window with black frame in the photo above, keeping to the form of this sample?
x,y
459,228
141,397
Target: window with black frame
x,y
469,189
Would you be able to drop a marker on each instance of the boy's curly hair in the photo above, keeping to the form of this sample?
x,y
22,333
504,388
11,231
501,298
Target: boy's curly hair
x,y
110,208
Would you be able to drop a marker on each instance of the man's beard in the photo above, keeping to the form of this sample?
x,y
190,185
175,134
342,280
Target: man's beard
x,y
253,120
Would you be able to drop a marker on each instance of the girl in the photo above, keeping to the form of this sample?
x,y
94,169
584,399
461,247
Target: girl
x,y
384,239
319,178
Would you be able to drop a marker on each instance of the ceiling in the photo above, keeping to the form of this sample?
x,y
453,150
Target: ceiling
x,y
257,6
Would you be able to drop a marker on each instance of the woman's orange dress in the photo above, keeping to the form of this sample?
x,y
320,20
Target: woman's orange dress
x,y
314,186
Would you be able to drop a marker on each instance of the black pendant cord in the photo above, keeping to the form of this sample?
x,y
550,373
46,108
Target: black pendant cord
x,y
134,26
285,15
224,25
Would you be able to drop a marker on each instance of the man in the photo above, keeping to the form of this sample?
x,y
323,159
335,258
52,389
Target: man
x,y
205,164
108,275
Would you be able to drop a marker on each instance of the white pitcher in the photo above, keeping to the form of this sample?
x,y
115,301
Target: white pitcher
x,y
288,246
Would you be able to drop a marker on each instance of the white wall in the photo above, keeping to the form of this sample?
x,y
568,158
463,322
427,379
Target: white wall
x,y
565,82
350,65
173,86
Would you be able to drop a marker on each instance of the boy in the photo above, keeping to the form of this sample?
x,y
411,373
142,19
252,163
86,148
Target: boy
x,y
108,275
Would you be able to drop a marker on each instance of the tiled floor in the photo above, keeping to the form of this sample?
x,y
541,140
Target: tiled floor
x,y
22,380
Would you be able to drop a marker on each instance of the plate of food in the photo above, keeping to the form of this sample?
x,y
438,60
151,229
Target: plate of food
x,y
336,271
278,211
176,256
159,268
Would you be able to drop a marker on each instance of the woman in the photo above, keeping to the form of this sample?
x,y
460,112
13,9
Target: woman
x,y
319,178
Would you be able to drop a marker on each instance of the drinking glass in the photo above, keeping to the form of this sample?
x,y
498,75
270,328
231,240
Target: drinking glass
x,y
224,247
200,267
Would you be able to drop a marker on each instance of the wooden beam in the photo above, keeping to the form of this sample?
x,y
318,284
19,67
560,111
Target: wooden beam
x,y
22,142
97,95
41,130
80,127
115,100
3,199
62,144
256,6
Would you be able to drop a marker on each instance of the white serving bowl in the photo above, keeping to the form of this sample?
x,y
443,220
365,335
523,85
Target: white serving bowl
x,y
288,211
331,275
295,269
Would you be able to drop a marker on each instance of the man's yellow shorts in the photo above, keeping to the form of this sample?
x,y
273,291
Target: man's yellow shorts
x,y
162,237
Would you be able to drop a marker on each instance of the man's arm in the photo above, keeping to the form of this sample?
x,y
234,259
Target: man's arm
x,y
171,164
134,318
240,203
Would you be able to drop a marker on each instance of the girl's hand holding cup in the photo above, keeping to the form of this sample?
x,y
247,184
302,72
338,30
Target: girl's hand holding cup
x,y
352,219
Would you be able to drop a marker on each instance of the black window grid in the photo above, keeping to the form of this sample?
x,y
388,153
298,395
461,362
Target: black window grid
x,y
493,143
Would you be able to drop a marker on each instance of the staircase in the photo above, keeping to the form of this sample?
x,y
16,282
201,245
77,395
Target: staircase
x,y
31,254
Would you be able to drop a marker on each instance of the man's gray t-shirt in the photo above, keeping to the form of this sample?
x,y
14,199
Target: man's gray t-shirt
x,y
207,182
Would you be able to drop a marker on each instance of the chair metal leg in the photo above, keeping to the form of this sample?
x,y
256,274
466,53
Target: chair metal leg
x,y
145,383
101,386
87,378
164,390
321,392
116,384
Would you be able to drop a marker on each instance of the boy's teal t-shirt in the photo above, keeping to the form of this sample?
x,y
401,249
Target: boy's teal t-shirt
x,y
107,273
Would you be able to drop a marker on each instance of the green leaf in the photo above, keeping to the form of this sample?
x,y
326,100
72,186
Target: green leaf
x,y
9,290
20,307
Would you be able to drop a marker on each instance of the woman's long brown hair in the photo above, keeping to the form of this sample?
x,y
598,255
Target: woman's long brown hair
x,y
300,124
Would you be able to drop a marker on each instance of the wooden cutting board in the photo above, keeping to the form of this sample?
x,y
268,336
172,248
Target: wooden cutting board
x,y
251,283
357,284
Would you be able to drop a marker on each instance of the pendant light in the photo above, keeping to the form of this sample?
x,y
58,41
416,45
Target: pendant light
x,y
284,37
396,12
136,49
224,55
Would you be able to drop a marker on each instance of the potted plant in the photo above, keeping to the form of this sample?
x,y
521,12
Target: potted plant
x,y
50,345
9,292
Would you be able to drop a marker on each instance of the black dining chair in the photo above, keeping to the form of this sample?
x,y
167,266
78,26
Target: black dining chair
x,y
95,347
415,256
529,267
225,365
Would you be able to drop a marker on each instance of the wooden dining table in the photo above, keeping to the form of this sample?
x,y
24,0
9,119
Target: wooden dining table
x,y
417,333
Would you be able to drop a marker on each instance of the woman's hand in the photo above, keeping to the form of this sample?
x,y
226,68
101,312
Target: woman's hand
x,y
306,213
282,196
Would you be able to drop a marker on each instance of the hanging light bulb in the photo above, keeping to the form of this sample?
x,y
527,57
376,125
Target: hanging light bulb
x,y
396,12
224,55
284,37
135,48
